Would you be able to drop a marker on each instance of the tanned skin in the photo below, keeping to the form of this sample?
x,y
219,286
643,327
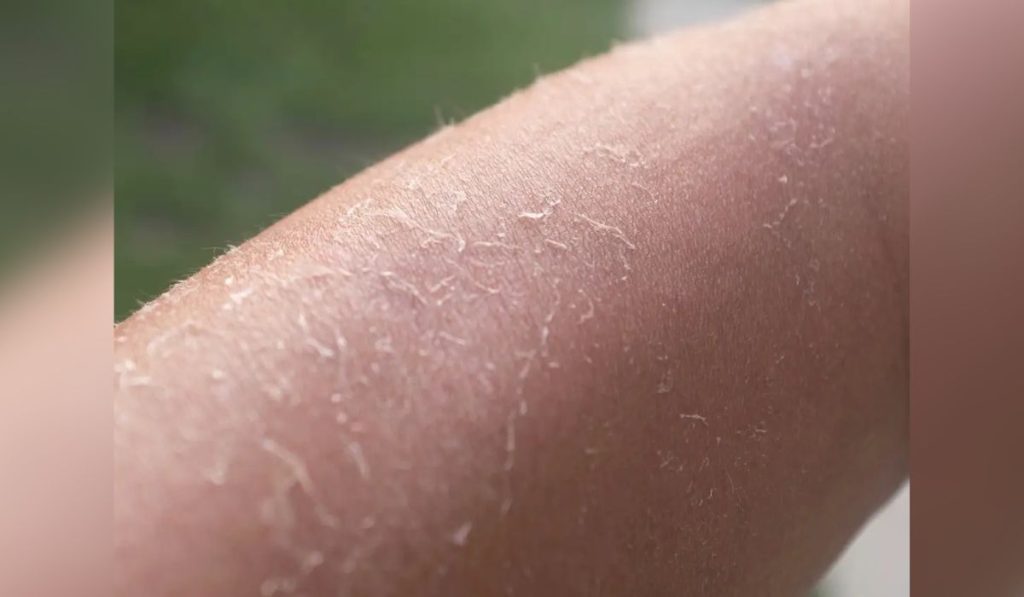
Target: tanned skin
x,y
639,329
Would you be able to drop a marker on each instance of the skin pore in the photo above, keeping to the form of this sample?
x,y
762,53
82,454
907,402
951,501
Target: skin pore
x,y
639,329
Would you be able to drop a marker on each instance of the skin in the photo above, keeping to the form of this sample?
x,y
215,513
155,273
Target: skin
x,y
638,329
54,315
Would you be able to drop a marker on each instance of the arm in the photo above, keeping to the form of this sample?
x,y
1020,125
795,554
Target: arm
x,y
638,329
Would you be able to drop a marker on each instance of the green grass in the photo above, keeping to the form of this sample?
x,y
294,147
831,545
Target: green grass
x,y
231,113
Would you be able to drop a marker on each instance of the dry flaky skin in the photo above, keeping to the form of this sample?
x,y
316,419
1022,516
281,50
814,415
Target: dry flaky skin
x,y
639,329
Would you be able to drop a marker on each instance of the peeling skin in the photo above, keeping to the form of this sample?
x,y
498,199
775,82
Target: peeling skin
x,y
461,535
613,230
300,475
556,244
238,297
779,219
589,313
533,215
287,585
548,332
217,472
323,350
155,346
127,376
665,383
452,339
356,453
400,216
510,441
695,417
394,282
549,209
619,153
292,461
442,283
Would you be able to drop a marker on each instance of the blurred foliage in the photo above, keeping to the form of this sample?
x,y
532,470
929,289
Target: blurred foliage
x,y
231,113
55,118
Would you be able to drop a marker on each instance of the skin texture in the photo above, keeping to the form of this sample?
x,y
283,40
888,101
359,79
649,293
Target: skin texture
x,y
639,329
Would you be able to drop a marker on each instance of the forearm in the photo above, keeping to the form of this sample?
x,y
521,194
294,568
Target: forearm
x,y
637,329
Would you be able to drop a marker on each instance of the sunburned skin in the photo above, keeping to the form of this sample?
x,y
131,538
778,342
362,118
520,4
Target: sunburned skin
x,y
639,329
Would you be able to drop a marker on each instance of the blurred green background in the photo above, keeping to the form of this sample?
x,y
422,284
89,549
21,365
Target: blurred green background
x,y
56,78
231,113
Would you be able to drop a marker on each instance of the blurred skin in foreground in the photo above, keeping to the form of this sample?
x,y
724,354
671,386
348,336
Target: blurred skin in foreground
x,y
639,329
968,334
55,420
